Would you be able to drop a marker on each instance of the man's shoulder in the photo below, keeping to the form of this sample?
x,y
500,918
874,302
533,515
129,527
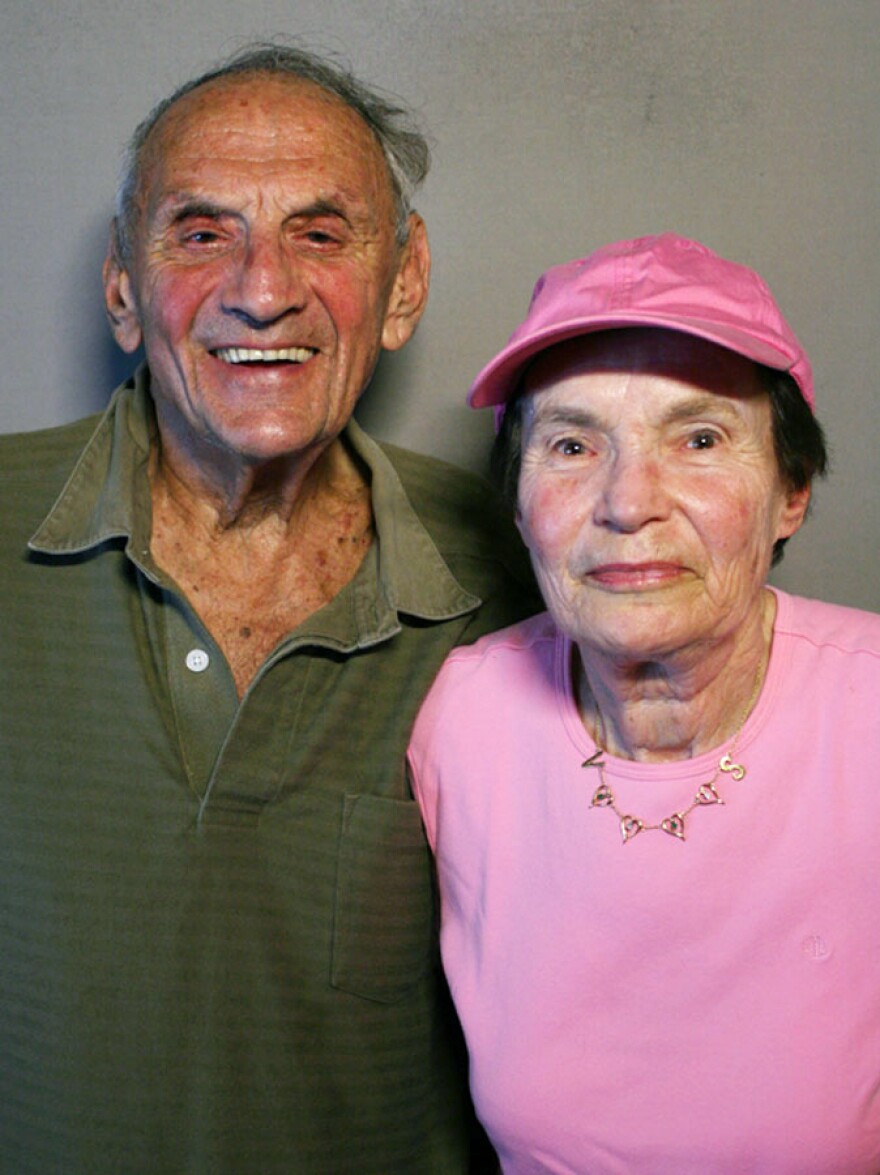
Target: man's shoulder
x,y
474,532
460,509
35,455
35,465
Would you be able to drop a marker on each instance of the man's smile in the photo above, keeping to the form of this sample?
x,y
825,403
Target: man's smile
x,y
263,355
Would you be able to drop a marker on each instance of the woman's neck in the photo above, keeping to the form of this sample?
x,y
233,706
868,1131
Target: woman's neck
x,y
678,707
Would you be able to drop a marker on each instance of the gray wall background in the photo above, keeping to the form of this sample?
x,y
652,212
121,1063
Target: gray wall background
x,y
749,124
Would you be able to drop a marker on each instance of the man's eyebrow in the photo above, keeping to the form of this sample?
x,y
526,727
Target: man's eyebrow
x,y
186,208
319,208
199,208
182,208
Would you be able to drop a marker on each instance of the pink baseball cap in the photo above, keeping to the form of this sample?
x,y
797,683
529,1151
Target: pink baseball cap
x,y
666,281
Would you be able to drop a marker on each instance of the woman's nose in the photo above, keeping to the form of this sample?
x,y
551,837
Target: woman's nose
x,y
633,492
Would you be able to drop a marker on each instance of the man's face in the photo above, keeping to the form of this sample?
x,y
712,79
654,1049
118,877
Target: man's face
x,y
265,277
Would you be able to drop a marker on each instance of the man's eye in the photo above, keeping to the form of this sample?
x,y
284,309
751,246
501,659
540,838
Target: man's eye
x,y
703,440
317,236
569,447
200,236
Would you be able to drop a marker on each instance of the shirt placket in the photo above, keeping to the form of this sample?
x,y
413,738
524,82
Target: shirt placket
x,y
236,753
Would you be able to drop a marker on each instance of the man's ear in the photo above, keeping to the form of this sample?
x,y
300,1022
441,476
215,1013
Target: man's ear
x,y
119,299
410,291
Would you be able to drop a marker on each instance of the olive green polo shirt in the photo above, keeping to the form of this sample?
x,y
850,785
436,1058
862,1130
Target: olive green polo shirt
x,y
217,925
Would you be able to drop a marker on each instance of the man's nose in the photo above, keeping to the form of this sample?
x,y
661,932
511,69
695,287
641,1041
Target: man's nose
x,y
267,283
634,491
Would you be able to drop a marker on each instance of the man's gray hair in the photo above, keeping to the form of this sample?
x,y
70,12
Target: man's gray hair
x,y
403,145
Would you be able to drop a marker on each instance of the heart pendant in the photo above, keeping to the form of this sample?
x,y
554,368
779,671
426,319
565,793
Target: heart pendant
x,y
674,825
602,797
630,826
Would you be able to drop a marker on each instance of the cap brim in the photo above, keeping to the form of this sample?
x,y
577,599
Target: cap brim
x,y
499,379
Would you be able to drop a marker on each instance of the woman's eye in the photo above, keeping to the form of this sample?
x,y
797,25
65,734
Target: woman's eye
x,y
569,447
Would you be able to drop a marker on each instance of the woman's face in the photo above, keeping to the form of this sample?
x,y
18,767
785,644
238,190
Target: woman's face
x,y
650,496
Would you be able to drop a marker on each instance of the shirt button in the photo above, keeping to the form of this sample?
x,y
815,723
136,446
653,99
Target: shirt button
x,y
197,660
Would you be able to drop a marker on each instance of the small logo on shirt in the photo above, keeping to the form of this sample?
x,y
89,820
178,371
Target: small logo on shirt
x,y
815,947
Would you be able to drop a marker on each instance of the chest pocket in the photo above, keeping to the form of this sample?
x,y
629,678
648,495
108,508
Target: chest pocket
x,y
384,921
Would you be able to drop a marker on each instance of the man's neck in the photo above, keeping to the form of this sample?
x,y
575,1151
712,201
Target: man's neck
x,y
256,564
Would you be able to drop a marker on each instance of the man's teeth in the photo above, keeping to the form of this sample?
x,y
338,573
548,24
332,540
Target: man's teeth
x,y
255,355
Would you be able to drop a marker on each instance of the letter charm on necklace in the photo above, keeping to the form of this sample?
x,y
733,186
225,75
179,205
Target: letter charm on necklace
x,y
735,769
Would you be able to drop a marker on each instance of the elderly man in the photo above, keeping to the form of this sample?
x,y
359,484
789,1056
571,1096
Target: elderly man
x,y
222,606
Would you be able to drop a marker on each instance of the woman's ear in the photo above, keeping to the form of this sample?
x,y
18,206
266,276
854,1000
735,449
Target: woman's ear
x,y
793,512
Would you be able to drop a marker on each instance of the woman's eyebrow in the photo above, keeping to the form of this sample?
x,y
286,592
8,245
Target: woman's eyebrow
x,y
564,414
701,404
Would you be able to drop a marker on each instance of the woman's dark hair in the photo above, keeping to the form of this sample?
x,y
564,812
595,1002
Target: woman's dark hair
x,y
798,440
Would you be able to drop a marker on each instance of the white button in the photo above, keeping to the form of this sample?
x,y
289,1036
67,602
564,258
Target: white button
x,y
197,660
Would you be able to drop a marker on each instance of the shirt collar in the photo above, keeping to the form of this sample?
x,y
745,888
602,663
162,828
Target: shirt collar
x,y
414,575
107,496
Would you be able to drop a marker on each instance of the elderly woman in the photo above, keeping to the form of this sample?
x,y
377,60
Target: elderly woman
x,y
655,808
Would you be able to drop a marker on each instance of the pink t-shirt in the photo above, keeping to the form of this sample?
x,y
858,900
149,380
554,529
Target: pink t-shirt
x,y
706,1007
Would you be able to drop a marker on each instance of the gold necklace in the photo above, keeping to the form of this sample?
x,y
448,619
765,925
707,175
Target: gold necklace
x,y
706,794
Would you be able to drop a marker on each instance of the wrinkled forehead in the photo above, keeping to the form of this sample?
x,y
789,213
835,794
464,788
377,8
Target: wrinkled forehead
x,y
644,350
262,116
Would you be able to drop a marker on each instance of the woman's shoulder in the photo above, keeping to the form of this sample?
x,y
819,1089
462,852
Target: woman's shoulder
x,y
492,673
506,643
482,710
821,624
